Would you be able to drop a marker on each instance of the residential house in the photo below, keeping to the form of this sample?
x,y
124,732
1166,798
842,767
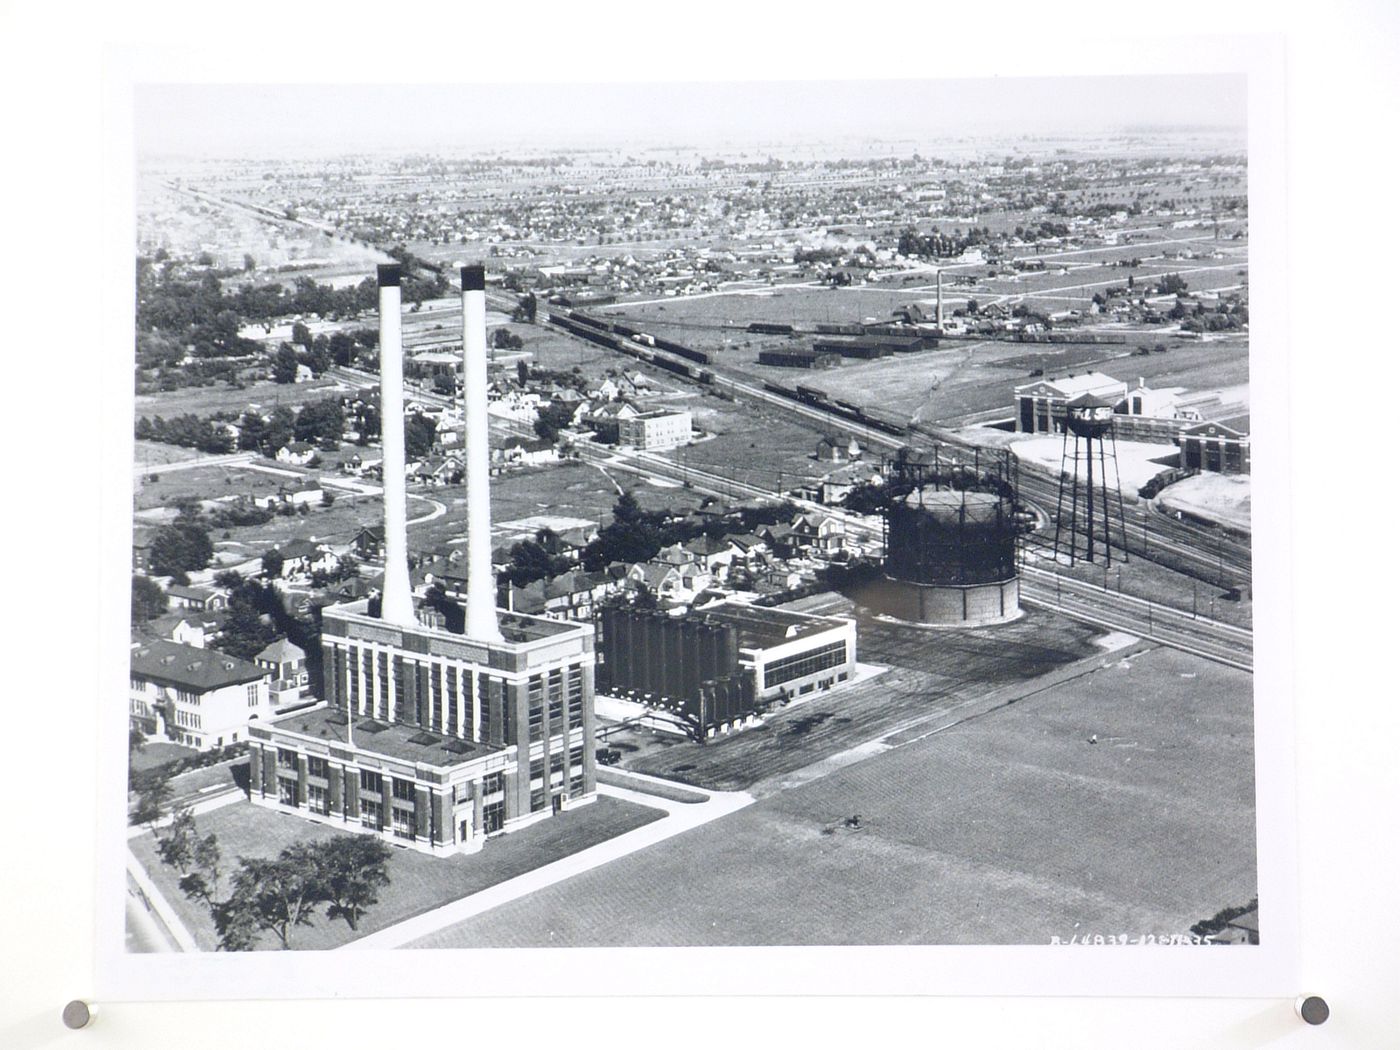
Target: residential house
x,y
368,542
288,677
304,557
820,534
182,596
296,453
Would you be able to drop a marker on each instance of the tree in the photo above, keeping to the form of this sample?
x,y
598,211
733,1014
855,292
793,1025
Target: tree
x,y
522,372
272,563
151,802
352,869
183,546
320,421
284,365
301,335
249,263
419,433
271,895
135,741
147,599
176,847
552,418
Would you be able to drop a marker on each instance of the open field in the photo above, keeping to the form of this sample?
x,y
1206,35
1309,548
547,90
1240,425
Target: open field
x,y
418,882
930,671
1010,828
220,397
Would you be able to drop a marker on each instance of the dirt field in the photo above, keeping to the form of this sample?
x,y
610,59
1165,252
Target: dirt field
x,y
1006,829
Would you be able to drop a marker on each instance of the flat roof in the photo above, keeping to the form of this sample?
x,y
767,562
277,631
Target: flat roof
x,y
516,628
760,627
406,743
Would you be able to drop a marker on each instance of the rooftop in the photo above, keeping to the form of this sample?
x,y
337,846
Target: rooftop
x,y
406,743
191,668
760,627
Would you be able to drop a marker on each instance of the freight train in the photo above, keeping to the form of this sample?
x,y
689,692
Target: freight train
x,y
633,343
806,395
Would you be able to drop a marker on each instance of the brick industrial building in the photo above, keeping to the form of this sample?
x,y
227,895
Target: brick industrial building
x,y
724,663
440,725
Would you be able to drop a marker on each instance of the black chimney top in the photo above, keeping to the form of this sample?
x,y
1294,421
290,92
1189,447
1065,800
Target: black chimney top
x,y
474,278
390,274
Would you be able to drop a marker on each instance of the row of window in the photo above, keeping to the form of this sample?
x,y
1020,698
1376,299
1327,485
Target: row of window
x,y
188,719
803,664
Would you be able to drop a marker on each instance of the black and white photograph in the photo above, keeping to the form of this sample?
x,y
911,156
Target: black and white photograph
x,y
744,514
596,512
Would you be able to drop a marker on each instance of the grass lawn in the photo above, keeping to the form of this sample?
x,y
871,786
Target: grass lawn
x,y
418,882
1009,828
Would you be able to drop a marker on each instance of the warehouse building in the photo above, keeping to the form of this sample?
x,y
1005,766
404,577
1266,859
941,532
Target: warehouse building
x,y
737,658
1040,406
797,358
1216,447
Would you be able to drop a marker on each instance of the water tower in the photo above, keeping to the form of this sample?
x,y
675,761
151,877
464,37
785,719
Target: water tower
x,y
1089,425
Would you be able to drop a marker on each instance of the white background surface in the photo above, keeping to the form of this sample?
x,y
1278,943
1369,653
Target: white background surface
x,y
72,379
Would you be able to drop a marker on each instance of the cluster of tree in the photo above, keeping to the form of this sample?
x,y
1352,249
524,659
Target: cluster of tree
x,y
239,513
1227,317
527,308
635,534
188,431
266,435
419,434
1171,284
180,548
320,422
553,418
257,616
505,339
938,245
817,255
574,379
275,895
538,559
147,599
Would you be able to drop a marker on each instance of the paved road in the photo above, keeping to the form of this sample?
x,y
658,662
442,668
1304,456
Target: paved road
x,y
233,459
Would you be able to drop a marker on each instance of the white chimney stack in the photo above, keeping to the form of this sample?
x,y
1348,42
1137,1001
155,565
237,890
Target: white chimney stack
x,y
481,623
397,597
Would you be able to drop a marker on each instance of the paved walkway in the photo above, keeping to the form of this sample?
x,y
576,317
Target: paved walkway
x,y
680,817
184,940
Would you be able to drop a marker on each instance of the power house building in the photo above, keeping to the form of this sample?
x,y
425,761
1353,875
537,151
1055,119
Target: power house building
x,y
440,725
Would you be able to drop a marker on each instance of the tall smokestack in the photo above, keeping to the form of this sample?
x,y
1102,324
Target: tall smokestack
x,y
938,311
397,598
481,623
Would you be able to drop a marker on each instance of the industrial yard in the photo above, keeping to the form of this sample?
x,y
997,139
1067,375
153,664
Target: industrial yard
x,y
736,491
1007,828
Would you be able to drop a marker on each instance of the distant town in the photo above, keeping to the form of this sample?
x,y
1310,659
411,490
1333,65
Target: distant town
x,y
851,544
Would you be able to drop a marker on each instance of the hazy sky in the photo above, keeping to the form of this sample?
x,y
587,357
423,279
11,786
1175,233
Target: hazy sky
x,y
210,120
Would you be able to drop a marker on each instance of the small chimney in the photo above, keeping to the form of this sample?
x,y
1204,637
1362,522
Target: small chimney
x,y
938,310
396,605
481,624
